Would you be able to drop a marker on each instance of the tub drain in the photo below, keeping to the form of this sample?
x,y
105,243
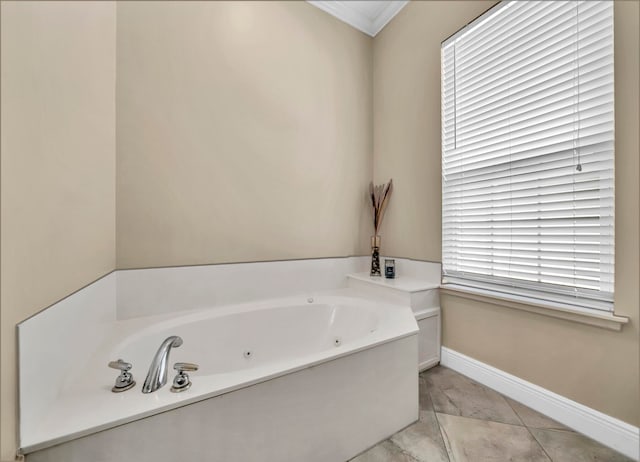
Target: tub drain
x,y
248,354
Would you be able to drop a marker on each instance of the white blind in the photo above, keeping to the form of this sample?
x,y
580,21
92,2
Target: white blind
x,y
527,152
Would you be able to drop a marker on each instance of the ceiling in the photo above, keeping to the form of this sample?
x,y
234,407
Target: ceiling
x,y
367,16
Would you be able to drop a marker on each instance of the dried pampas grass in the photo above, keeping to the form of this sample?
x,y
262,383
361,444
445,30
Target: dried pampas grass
x,y
379,198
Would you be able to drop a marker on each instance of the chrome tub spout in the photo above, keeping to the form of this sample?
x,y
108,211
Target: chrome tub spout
x,y
158,370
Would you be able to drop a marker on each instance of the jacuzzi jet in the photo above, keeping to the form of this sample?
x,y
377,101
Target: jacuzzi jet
x,y
337,341
247,354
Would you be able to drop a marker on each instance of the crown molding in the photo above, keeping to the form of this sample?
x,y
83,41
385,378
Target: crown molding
x,y
353,17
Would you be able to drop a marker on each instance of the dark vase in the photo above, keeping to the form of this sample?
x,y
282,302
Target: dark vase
x,y
375,256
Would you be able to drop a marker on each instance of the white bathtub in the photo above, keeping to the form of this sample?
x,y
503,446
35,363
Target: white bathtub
x,y
279,334
328,376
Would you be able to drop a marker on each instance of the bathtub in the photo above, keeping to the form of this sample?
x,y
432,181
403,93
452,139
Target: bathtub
x,y
314,378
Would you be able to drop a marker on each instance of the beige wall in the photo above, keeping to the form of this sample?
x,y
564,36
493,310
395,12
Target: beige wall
x,y
244,133
593,366
58,164
406,93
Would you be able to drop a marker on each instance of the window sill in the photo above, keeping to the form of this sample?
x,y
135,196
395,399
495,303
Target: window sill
x,y
555,310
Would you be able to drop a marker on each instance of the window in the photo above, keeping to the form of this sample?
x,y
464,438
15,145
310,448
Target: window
x,y
527,152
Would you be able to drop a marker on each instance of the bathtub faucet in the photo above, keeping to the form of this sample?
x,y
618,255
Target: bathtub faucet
x,y
157,375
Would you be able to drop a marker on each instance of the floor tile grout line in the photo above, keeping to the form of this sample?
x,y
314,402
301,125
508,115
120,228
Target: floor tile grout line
x,y
539,444
480,419
435,416
483,420
574,433
429,396
566,429
514,411
440,432
560,430
402,450
500,423
483,387
506,399
527,427
544,429
442,435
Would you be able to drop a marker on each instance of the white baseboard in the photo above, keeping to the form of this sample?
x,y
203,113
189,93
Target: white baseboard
x,y
605,429
428,364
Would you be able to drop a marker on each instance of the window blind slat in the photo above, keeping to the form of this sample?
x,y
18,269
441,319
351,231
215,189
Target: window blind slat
x,y
548,188
584,297
501,174
496,229
510,119
521,131
539,87
555,47
554,151
517,20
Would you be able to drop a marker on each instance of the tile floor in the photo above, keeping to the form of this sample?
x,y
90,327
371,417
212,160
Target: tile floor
x,y
461,420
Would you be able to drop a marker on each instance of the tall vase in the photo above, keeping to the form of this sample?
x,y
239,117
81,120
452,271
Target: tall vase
x,y
375,256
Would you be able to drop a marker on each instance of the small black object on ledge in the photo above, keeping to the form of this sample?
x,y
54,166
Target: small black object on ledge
x,y
389,268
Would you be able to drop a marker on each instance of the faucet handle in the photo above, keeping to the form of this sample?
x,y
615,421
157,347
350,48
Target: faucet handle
x,y
181,367
125,380
181,382
120,364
